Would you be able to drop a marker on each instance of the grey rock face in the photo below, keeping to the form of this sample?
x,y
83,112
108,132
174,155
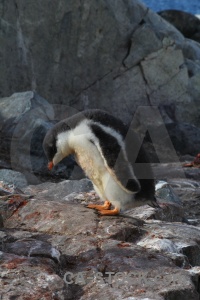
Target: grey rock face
x,y
24,121
172,140
98,54
117,56
185,138
21,115
23,127
59,191
14,178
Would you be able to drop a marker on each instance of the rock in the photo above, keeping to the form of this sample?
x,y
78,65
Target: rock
x,y
170,212
4,164
32,277
59,191
10,189
158,74
119,56
100,244
171,207
148,58
168,142
55,218
18,125
139,254
140,60
13,178
166,241
184,137
9,204
165,194
32,248
186,23
141,45
22,133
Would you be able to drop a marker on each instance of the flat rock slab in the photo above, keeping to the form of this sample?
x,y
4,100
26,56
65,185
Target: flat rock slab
x,y
178,241
58,191
63,250
111,257
53,217
13,177
26,278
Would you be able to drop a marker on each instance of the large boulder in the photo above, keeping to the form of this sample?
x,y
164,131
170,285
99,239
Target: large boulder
x,y
186,23
172,142
24,121
115,55
13,178
23,127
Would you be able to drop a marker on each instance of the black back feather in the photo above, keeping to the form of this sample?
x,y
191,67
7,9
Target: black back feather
x,y
111,149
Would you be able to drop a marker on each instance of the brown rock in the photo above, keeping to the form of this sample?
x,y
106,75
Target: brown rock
x,y
62,250
30,278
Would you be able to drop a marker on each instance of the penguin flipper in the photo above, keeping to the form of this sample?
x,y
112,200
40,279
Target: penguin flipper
x,y
115,159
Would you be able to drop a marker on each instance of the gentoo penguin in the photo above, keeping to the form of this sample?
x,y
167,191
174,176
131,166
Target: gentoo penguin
x,y
121,177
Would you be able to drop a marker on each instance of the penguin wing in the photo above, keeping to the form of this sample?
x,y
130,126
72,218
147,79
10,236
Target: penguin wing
x,y
115,159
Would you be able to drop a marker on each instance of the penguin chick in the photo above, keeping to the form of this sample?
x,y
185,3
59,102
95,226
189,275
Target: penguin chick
x,y
98,142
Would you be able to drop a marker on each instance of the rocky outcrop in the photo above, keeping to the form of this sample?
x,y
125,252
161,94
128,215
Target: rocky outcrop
x,y
172,141
24,121
186,23
13,178
53,247
21,115
98,54
122,57
23,127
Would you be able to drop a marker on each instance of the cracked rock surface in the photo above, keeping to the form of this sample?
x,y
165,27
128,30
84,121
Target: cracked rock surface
x,y
98,54
56,248
61,57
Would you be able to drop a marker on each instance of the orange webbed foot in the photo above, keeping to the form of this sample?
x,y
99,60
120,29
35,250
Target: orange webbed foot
x,y
106,206
112,212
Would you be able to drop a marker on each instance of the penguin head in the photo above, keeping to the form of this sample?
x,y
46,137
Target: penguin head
x,y
56,145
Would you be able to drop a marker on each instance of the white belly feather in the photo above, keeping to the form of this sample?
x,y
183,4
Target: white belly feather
x,y
91,161
88,154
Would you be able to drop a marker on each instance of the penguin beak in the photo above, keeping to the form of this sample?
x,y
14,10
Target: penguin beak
x,y
50,165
